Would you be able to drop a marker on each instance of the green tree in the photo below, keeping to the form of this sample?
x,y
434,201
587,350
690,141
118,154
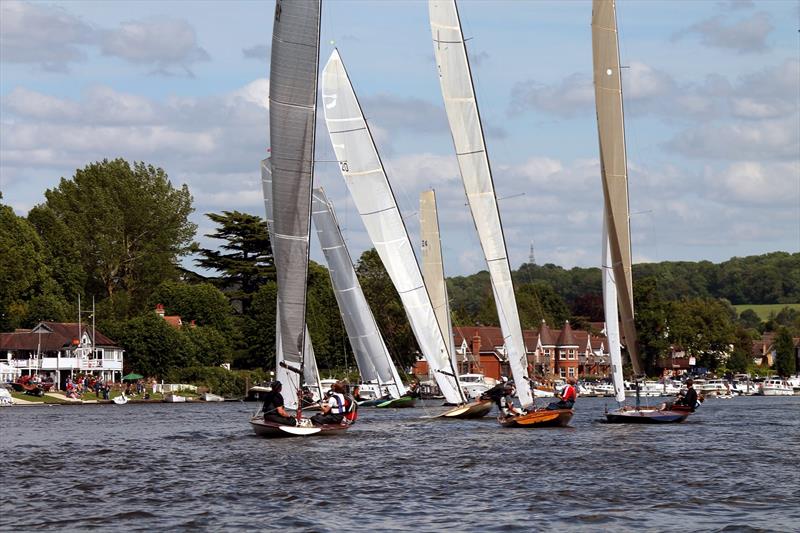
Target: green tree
x,y
152,347
750,319
331,346
742,356
703,326
208,345
387,308
128,226
28,292
652,319
202,303
785,353
259,330
246,263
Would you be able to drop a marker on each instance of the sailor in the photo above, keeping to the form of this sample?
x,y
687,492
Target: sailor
x,y
273,407
413,390
334,408
566,397
503,396
688,398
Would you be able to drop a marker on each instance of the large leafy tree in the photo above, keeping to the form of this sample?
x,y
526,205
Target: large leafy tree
x,y
202,303
703,326
28,292
259,330
785,358
651,323
246,262
742,356
126,226
152,346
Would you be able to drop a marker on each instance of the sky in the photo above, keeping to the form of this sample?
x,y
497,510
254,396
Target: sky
x,y
711,94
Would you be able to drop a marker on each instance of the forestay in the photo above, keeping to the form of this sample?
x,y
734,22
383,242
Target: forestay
x,y
613,162
373,359
433,267
310,372
374,199
292,112
465,126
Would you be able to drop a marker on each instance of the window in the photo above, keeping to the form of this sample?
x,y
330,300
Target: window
x,y
571,372
562,355
572,354
561,372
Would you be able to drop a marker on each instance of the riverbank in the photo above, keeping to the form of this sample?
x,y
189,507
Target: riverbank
x,y
58,398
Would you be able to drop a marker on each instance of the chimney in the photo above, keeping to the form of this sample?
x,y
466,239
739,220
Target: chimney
x,y
160,310
476,347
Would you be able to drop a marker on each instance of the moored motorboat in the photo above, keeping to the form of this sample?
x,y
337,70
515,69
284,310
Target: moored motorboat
x,y
208,397
538,418
174,398
776,386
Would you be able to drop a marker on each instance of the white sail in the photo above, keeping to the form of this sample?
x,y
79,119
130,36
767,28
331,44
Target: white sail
x,y
365,177
612,317
433,267
613,162
374,362
465,125
282,374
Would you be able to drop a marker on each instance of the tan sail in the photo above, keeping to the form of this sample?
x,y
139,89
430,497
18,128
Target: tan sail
x,y
433,267
613,163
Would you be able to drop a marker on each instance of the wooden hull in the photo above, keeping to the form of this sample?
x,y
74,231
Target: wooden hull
x,y
647,416
267,429
477,409
540,418
398,403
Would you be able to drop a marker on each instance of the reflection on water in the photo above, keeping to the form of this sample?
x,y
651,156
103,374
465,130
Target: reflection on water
x,y
732,466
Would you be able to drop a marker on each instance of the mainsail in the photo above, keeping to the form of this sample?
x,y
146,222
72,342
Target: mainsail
x,y
433,267
365,177
310,372
612,318
613,163
473,161
374,362
292,115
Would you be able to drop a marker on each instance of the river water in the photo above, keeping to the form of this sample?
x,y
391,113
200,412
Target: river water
x,y
732,466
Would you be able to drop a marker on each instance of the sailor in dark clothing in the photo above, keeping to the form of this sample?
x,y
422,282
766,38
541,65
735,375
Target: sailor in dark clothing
x,y
502,395
413,390
689,397
273,407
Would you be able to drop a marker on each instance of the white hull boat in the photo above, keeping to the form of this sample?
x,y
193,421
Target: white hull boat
x,y
208,397
174,398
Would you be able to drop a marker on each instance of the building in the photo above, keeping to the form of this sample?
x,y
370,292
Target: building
x,y
59,350
550,353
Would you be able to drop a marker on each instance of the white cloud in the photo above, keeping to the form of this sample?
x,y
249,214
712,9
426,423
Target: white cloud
x,y
570,97
165,44
752,182
762,140
46,35
748,35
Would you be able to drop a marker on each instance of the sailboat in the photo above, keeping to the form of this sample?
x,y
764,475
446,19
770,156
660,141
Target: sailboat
x,y
374,362
617,271
366,179
292,113
465,126
433,273
283,373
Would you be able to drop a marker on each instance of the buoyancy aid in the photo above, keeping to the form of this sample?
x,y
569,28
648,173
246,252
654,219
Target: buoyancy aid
x,y
340,408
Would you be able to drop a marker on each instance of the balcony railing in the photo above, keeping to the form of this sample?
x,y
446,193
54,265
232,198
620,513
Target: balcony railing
x,y
67,363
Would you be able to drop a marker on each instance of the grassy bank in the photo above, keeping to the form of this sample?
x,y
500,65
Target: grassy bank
x,y
764,311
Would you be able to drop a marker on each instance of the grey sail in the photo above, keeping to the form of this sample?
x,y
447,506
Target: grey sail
x,y
310,372
374,362
613,163
461,105
292,115
366,179
433,268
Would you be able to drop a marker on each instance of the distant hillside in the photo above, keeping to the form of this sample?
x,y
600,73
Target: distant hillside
x,y
765,311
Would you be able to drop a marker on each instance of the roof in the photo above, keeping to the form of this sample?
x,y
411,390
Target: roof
x,y
50,336
566,338
546,335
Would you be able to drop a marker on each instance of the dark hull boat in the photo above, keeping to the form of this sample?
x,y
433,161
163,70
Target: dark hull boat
x,y
264,428
397,403
477,409
539,418
648,415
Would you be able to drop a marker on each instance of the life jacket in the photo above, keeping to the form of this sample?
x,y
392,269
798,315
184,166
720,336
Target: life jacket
x,y
341,407
351,409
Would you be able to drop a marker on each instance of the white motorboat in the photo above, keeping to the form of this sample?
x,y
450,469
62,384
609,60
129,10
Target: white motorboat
x,y
794,382
718,387
776,386
208,397
474,384
174,398
603,390
5,396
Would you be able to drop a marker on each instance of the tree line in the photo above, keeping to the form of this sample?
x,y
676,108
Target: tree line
x,y
121,234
